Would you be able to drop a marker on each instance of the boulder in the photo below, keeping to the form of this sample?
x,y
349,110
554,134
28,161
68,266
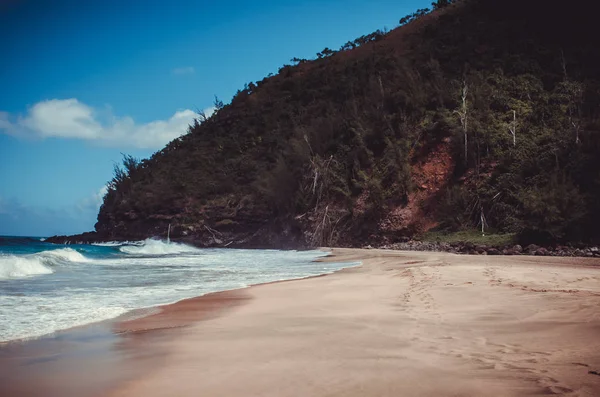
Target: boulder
x,y
531,249
517,249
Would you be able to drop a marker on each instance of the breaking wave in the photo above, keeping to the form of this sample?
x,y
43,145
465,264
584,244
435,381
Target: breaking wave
x,y
157,247
117,243
19,266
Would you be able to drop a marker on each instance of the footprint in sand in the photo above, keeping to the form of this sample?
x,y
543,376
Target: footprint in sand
x,y
557,390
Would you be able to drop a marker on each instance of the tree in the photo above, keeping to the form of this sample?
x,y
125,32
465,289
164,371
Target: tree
x,y
121,175
218,104
462,112
415,15
202,116
441,4
572,94
297,60
327,52
513,128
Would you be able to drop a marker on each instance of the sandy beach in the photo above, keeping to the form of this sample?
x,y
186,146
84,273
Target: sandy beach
x,y
402,324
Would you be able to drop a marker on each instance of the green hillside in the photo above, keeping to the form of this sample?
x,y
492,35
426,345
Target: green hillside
x,y
477,111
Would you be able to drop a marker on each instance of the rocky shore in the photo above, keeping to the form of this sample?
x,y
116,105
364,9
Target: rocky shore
x,y
468,248
462,247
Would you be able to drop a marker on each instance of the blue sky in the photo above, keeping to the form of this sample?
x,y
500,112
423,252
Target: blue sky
x,y
84,81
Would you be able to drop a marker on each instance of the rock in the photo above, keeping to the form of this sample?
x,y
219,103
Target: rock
x,y
594,249
531,249
493,251
541,252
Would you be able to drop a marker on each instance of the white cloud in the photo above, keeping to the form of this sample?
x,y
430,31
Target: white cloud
x,y
93,202
66,118
70,118
185,70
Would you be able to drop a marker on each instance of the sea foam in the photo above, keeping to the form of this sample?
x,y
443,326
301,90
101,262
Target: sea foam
x,y
18,266
117,243
12,266
151,247
96,283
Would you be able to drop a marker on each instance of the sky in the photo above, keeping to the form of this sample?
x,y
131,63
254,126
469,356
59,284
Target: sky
x,y
82,82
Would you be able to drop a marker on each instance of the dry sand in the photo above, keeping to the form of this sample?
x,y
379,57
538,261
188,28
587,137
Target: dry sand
x,y
402,324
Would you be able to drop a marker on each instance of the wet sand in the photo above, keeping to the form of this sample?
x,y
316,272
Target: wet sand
x,y
92,360
402,324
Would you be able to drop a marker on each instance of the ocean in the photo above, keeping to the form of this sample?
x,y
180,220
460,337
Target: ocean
x,y
48,287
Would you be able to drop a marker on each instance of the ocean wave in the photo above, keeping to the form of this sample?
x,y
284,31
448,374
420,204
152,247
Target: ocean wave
x,y
19,266
62,255
117,243
158,247
110,244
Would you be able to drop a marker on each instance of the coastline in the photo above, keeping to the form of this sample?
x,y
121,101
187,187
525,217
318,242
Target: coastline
x,y
394,327
567,250
110,346
355,324
152,309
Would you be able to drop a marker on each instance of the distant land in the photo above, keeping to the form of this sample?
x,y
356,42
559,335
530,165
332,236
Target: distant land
x,y
475,116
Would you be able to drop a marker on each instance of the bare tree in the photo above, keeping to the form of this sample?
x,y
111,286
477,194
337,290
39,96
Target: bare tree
x,y
463,114
574,92
513,128
576,127
482,221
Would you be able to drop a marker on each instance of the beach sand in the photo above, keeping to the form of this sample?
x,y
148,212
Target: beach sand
x,y
402,324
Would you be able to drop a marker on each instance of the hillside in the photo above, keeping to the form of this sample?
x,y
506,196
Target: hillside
x,y
478,110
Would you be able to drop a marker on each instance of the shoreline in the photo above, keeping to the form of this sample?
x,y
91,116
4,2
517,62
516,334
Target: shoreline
x,y
153,310
152,346
337,335
462,247
113,342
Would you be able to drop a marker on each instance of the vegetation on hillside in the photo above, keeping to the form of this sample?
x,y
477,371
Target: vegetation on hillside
x,y
326,146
